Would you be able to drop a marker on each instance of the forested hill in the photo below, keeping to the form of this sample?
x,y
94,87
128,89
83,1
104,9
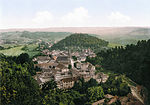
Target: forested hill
x,y
80,41
133,60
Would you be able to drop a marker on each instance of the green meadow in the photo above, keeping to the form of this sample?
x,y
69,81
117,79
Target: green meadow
x,y
15,51
113,45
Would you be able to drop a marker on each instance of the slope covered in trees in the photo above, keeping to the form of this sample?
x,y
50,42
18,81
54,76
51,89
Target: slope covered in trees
x,y
80,41
17,86
133,60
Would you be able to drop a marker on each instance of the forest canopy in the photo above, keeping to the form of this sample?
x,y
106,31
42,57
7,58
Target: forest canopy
x,y
80,41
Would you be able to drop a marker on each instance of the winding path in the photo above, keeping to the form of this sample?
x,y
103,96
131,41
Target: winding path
x,y
134,93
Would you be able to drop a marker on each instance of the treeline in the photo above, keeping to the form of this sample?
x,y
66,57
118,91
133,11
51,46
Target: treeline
x,y
80,41
133,60
17,86
3,48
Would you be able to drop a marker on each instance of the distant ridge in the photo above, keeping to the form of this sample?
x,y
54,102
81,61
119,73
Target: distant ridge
x,y
117,35
90,30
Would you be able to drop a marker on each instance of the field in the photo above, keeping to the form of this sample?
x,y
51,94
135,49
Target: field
x,y
15,51
113,45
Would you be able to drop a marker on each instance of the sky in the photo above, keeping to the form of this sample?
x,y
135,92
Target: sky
x,y
74,13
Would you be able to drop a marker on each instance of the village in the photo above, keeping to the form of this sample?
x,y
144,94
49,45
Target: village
x,y
66,67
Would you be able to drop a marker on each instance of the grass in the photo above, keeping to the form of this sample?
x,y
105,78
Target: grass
x,y
15,51
12,51
113,45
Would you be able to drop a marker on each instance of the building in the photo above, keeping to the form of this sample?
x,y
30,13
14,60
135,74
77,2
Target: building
x,y
42,59
57,68
49,65
68,82
63,59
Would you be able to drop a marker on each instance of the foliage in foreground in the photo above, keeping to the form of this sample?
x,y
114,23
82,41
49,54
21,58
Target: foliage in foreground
x,y
133,61
19,88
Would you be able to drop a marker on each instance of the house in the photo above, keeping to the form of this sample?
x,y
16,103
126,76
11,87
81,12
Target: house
x,y
98,78
101,76
100,102
37,74
54,58
43,59
41,81
78,65
84,66
68,82
108,96
58,76
46,52
63,59
92,55
49,65
91,69
74,72
81,58
62,67
85,70
44,77
104,77
112,100
55,53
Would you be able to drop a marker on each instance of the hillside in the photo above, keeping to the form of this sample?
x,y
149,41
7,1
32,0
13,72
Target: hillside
x,y
79,42
26,37
17,50
133,61
117,35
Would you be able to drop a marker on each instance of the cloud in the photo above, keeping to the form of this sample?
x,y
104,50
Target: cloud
x,y
78,17
43,18
118,18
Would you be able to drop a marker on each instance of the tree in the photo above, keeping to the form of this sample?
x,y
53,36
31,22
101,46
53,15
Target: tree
x,y
22,58
131,60
17,86
60,97
2,48
69,67
95,93
75,65
74,58
116,86
124,89
49,85
92,82
25,48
